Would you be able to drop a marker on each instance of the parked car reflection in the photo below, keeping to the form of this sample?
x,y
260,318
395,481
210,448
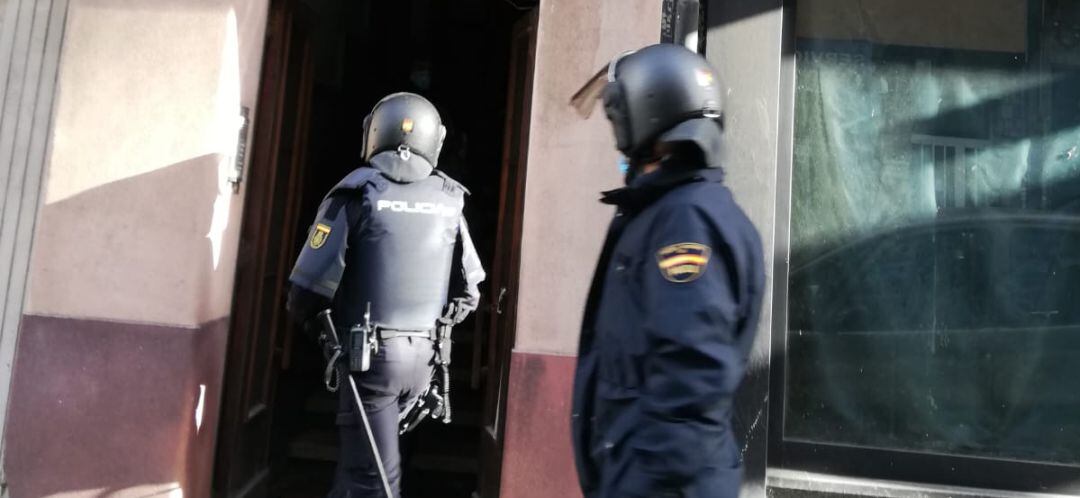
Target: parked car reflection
x,y
959,336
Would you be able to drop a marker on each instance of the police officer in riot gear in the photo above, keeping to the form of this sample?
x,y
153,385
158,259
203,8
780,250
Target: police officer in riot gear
x,y
671,315
390,248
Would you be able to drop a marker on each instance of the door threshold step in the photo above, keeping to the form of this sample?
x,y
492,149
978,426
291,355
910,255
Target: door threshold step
x,y
444,463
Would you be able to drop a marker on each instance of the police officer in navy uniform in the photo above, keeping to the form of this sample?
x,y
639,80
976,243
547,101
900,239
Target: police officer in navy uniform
x,y
674,303
390,237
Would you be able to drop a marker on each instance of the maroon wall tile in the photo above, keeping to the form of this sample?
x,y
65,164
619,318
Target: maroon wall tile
x,y
537,458
100,405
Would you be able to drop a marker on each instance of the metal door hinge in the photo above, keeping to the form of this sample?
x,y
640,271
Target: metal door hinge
x,y
237,174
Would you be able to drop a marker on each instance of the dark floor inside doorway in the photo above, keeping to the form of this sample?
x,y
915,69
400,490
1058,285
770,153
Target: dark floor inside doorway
x,y
439,461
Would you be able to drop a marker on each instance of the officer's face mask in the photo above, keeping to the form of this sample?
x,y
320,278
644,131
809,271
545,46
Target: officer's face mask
x,y
631,168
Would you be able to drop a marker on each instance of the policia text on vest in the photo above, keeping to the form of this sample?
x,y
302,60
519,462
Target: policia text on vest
x,y
417,207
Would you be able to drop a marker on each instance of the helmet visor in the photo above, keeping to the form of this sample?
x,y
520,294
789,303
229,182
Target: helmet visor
x,y
585,99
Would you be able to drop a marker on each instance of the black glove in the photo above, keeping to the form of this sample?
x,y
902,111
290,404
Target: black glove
x,y
331,351
303,305
455,312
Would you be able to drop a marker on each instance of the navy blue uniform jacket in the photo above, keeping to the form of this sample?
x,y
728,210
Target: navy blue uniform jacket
x,y
668,328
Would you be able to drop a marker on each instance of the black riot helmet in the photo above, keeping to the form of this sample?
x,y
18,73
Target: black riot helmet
x,y
654,89
404,122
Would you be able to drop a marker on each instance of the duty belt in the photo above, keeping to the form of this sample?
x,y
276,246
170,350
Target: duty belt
x,y
388,333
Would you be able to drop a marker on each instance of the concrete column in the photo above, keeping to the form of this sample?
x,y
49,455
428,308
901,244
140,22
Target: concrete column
x,y
30,39
743,42
571,160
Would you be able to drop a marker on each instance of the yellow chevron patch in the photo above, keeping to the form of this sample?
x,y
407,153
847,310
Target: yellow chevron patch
x,y
684,262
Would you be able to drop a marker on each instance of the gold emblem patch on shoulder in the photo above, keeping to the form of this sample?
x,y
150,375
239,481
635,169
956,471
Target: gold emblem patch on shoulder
x,y
681,263
319,235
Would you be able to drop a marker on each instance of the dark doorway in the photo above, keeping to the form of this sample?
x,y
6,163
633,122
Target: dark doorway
x,y
460,54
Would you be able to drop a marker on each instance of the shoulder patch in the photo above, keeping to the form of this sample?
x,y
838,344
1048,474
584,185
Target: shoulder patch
x,y
685,262
319,235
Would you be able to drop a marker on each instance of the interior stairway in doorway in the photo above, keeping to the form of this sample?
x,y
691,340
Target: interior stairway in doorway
x,y
439,460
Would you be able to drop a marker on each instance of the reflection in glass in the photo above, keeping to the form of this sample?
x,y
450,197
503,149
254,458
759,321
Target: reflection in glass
x,y
935,267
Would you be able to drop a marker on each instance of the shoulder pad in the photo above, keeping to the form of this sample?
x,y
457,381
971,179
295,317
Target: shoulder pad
x,y
358,179
451,185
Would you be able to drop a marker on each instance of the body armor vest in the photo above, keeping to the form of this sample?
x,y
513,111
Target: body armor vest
x,y
400,253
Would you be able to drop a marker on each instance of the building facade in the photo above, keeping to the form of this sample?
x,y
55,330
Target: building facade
x,y
913,168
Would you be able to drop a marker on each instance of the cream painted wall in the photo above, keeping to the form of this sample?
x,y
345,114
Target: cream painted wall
x,y
138,222
571,161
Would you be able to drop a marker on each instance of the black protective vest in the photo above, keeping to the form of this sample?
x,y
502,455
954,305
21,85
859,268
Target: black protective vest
x,y
387,243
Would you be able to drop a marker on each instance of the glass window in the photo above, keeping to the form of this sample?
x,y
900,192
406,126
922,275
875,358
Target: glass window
x,y
934,300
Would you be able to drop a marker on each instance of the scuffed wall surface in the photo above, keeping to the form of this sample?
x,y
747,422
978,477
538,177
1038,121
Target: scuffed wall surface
x,y
571,161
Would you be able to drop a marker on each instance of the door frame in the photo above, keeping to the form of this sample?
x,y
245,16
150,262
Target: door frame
x,y
507,267
286,18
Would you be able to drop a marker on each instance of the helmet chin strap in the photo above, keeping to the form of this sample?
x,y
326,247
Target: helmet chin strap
x,y
645,155
641,165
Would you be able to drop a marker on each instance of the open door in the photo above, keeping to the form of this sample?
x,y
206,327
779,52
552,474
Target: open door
x,y
268,246
502,289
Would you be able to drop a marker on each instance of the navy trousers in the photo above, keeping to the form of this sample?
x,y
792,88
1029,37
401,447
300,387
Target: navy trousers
x,y
399,373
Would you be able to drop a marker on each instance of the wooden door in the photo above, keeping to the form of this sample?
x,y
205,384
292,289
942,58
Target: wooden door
x,y
268,247
502,293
